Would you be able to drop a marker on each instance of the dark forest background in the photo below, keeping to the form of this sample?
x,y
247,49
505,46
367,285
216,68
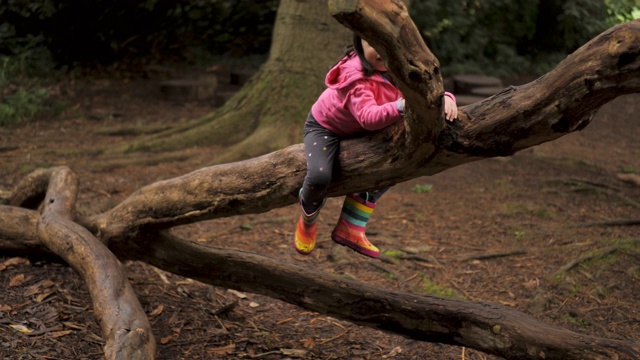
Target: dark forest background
x,y
42,39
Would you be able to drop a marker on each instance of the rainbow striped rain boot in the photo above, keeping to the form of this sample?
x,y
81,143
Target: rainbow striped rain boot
x,y
305,238
353,220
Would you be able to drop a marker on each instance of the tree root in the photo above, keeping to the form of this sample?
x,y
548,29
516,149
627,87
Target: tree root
x,y
490,255
592,255
124,323
603,189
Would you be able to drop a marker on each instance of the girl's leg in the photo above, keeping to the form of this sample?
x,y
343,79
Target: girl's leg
x,y
321,147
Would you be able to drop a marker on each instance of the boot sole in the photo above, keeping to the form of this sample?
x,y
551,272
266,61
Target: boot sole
x,y
355,247
299,251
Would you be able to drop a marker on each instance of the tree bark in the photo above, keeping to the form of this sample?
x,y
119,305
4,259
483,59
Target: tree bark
x,y
562,101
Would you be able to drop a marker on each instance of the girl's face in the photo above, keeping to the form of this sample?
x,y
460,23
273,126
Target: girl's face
x,y
373,57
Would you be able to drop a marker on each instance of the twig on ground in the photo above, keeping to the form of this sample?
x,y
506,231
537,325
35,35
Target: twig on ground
x,y
327,320
463,291
162,276
602,188
593,255
225,308
630,222
44,331
490,255
428,259
335,337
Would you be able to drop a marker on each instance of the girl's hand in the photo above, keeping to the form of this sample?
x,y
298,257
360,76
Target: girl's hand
x,y
450,109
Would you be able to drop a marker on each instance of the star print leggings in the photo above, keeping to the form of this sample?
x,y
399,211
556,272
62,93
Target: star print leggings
x,y
321,147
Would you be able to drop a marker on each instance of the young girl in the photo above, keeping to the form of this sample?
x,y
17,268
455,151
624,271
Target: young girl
x,y
358,98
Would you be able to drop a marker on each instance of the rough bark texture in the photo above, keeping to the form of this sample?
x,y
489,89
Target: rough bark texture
x,y
562,101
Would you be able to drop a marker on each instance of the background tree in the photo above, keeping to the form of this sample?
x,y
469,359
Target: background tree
x,y
268,113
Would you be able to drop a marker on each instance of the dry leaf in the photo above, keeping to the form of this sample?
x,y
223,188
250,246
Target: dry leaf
x,y
93,337
397,350
13,261
57,334
532,284
4,307
44,295
309,343
157,311
294,353
16,280
71,298
21,328
225,350
166,339
46,284
74,326
39,287
237,293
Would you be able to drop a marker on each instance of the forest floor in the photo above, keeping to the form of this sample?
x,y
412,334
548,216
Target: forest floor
x,y
552,231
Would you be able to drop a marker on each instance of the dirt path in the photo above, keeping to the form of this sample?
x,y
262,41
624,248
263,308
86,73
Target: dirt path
x,y
498,230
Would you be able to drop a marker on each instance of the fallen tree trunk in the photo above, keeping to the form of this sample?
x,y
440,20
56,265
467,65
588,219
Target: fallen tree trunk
x,y
125,325
558,103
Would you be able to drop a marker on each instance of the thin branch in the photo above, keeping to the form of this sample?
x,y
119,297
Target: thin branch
x,y
586,257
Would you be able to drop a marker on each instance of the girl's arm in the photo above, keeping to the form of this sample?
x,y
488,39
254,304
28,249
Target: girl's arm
x,y
371,116
450,107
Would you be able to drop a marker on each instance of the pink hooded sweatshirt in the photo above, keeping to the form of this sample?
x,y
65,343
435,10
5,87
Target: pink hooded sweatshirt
x,y
353,102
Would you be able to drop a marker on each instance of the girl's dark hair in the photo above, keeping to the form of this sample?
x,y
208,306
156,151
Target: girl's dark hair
x,y
356,47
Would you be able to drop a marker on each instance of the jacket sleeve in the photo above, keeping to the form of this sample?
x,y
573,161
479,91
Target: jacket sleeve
x,y
364,108
453,97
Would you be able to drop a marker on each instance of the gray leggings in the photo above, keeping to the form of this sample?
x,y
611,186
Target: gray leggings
x,y
321,147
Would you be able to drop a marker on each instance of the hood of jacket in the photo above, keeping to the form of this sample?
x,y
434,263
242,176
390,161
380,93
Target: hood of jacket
x,y
346,72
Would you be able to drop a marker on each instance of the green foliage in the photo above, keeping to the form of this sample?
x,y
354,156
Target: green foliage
x,y
577,321
21,105
21,97
433,289
422,188
506,37
393,253
24,60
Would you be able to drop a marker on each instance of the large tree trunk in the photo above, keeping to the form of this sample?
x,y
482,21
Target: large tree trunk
x,y
268,113
562,101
